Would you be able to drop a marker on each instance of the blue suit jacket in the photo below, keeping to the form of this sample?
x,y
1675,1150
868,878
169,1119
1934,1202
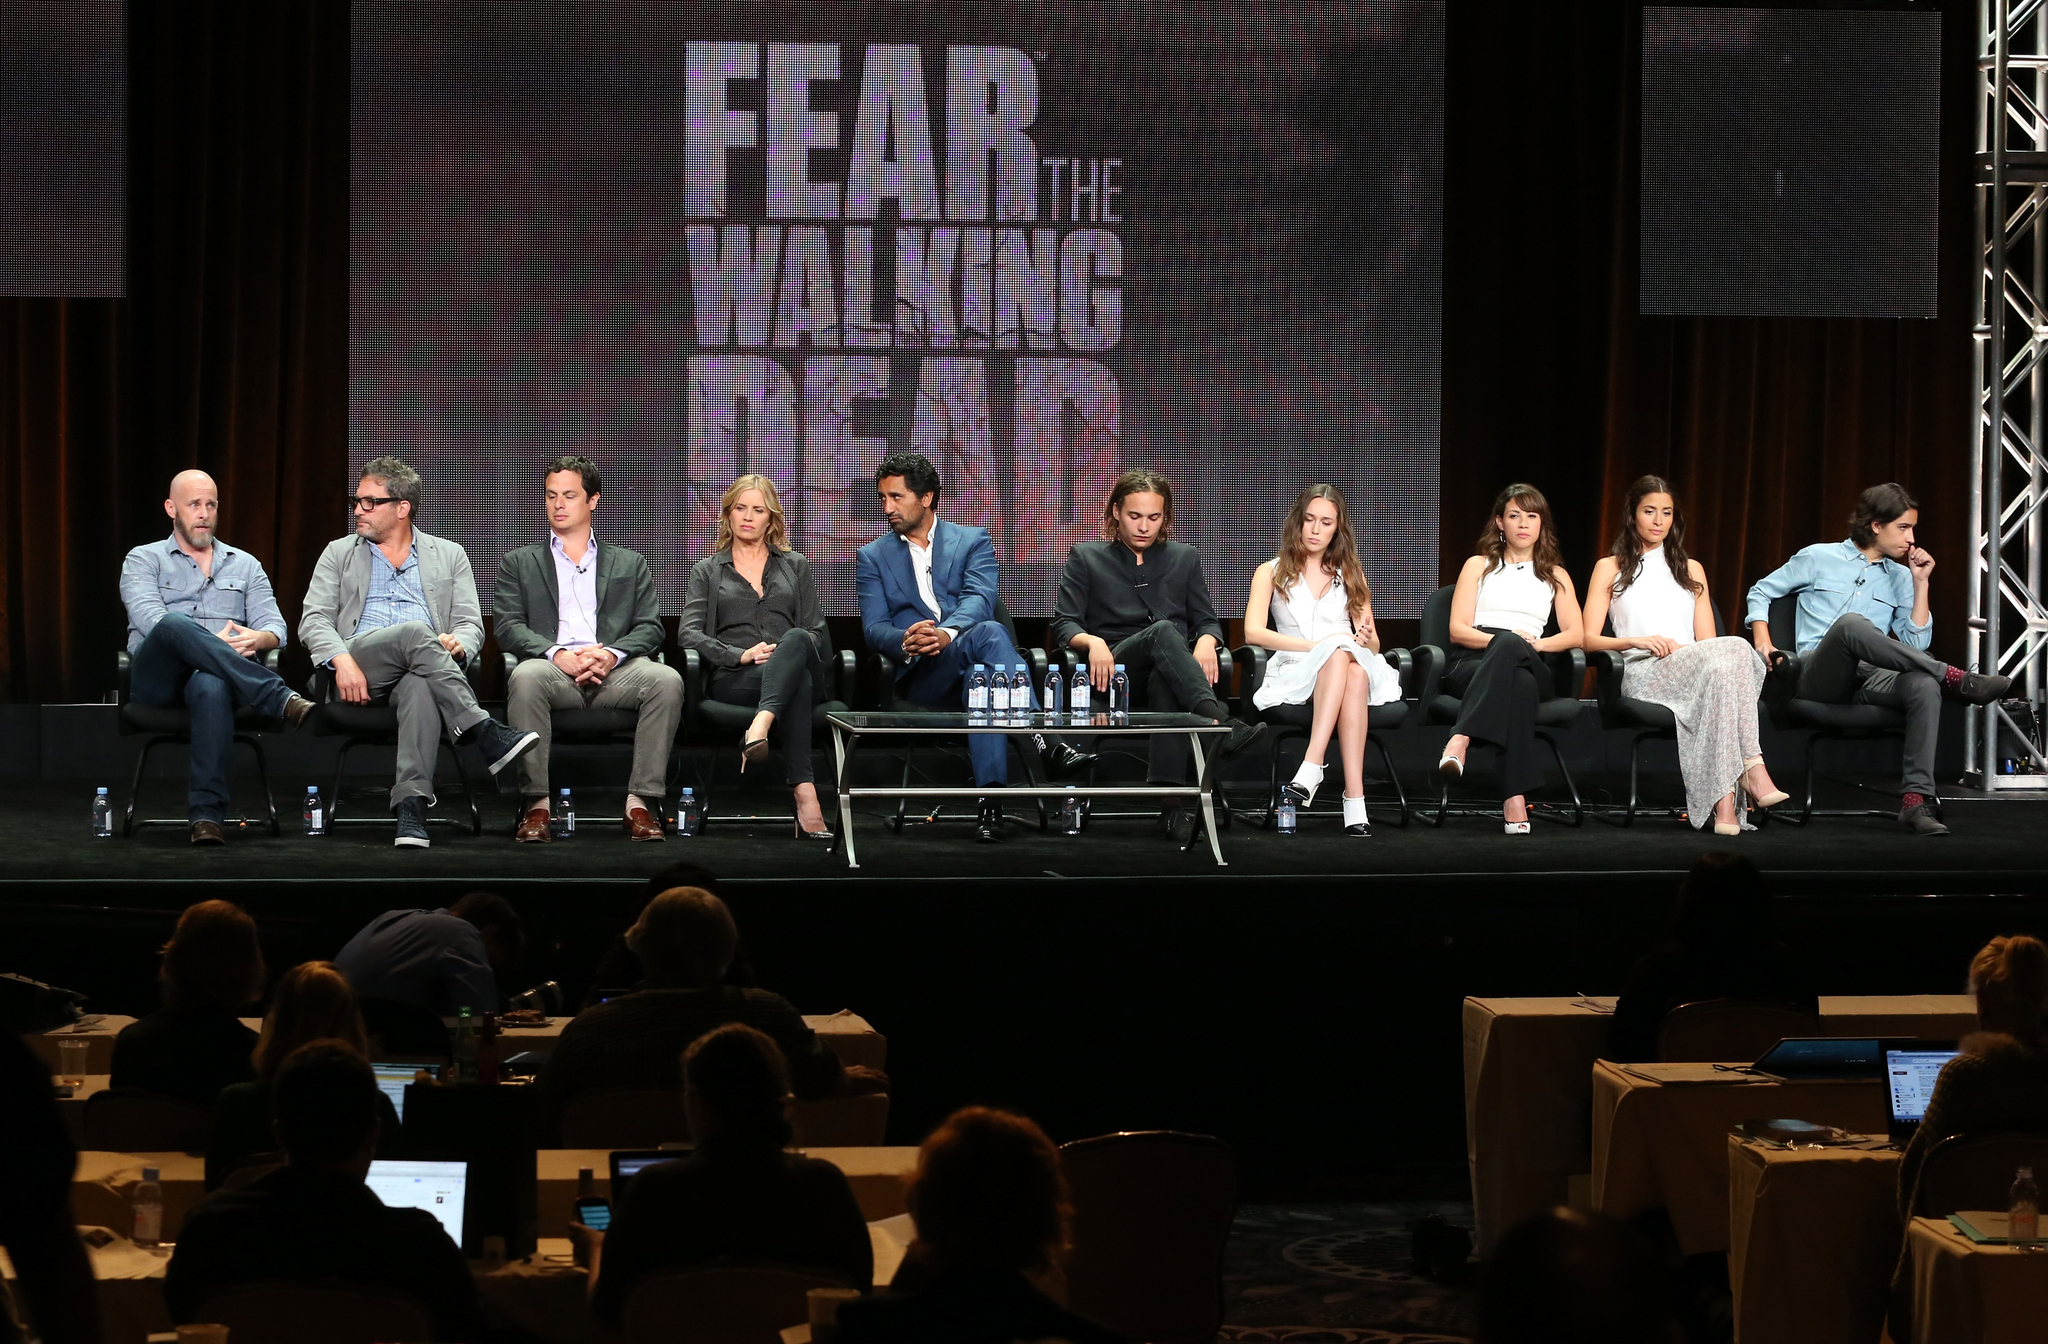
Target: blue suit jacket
x,y
963,579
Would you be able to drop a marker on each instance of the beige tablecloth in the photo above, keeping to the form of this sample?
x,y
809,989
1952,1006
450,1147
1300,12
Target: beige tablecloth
x,y
1964,1293
1528,1121
1813,1234
1658,1145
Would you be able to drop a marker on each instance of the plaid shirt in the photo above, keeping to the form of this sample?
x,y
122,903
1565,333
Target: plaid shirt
x,y
395,594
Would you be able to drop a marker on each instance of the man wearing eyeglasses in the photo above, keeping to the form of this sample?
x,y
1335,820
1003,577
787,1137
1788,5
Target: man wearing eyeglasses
x,y
394,611
200,617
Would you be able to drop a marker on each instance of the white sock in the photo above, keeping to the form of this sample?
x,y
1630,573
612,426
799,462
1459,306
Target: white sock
x,y
634,800
542,803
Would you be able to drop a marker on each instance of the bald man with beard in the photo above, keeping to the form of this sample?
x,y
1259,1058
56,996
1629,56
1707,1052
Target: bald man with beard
x,y
200,617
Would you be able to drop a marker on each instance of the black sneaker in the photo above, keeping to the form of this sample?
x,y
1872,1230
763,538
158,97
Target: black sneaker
x,y
1240,736
1983,688
1180,824
1920,819
501,745
412,823
1062,760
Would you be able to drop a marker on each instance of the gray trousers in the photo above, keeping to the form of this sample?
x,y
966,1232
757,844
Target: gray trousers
x,y
654,689
427,688
1856,663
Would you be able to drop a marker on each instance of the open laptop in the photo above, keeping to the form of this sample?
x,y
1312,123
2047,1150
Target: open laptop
x,y
393,1076
1814,1059
1910,1070
441,1188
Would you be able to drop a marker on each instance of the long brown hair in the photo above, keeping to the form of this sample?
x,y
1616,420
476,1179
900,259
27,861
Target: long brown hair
x,y
1340,556
1138,483
213,957
1628,543
312,1002
2009,976
1494,545
777,535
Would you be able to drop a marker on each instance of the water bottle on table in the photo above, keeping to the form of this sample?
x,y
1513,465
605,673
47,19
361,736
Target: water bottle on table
x,y
1080,690
999,695
102,814
465,1045
1050,701
977,694
689,814
1020,695
1119,695
316,811
2023,1218
148,1204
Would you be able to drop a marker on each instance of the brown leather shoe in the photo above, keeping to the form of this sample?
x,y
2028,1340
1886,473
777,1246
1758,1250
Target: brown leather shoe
x,y
533,827
641,825
208,833
295,711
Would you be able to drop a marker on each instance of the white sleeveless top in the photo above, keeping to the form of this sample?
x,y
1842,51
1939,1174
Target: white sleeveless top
x,y
1513,598
1300,613
1654,604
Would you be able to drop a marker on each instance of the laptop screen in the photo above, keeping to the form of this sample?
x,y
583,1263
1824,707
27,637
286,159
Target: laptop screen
x,y
392,1080
1910,1074
438,1187
626,1165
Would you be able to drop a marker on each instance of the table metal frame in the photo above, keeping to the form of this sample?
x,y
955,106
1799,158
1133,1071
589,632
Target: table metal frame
x,y
846,735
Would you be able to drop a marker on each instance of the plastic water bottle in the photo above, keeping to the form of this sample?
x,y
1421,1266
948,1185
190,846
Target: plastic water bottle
x,y
689,814
563,823
465,1045
1077,699
316,811
1052,696
2023,1221
999,696
1119,695
1070,813
1283,817
148,1204
1020,695
977,694
102,814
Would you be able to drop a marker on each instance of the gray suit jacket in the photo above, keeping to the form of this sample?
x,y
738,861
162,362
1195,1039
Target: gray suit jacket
x,y
341,584
526,609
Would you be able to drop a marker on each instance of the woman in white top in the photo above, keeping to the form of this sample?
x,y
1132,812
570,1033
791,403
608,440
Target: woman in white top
x,y
1505,597
1312,606
1664,631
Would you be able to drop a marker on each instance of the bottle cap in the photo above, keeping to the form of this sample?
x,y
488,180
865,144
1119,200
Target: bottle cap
x,y
979,666
101,791
463,1011
1119,667
583,1173
689,793
150,1173
565,793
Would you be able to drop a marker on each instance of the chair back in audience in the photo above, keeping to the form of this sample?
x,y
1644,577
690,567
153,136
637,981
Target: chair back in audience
x,y
1726,1031
624,1117
318,1313
129,1120
723,1302
402,1030
1152,1212
841,1122
1975,1171
254,1167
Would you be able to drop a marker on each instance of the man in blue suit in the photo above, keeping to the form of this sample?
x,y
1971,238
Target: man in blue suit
x,y
928,604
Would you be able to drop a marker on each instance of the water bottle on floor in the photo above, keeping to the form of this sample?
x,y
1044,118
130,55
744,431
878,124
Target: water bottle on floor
x,y
102,814
689,814
2023,1220
316,811
1079,690
1283,817
1070,813
1052,696
563,822
148,1204
977,694
999,695
1119,695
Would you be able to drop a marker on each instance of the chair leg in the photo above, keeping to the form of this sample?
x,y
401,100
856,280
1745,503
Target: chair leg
x,y
1272,786
263,774
476,816
1635,756
1571,786
902,799
1400,794
135,785
334,794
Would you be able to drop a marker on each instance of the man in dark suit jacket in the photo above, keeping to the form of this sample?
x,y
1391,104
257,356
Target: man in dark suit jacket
x,y
928,604
583,622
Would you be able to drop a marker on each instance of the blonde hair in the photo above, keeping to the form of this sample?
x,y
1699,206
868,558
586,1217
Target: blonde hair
x,y
778,531
313,1001
2009,976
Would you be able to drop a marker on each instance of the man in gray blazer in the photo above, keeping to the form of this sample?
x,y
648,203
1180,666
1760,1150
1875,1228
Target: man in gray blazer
x,y
394,611
583,622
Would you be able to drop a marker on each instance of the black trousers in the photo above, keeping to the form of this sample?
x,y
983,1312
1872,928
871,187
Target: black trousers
x,y
1501,685
785,687
1164,677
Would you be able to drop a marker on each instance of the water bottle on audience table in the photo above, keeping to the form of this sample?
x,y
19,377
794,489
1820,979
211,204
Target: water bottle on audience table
x,y
487,1049
1052,697
689,814
316,811
102,814
465,1045
1070,813
1284,816
563,823
999,695
1077,699
148,1204
1119,695
977,694
2023,1217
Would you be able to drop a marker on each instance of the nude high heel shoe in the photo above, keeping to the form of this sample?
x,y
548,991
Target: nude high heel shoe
x,y
1769,800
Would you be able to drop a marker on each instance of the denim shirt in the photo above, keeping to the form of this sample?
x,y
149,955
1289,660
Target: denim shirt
x,y
1833,579
395,594
159,578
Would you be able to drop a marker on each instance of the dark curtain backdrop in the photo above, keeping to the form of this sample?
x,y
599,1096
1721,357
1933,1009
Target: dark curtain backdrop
x,y
231,350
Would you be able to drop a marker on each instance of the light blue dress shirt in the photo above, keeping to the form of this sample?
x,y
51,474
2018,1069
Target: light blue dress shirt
x,y
395,594
159,578
1833,579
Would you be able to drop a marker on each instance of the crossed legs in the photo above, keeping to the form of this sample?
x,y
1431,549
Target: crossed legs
x,y
1340,707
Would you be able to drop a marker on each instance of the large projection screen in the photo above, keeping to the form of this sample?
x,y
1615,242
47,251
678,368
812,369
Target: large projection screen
x,y
1038,242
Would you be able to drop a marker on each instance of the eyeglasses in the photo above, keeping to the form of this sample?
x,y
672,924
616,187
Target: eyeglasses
x,y
370,501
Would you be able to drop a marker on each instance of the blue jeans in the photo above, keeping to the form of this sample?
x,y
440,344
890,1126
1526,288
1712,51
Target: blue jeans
x,y
181,662
940,680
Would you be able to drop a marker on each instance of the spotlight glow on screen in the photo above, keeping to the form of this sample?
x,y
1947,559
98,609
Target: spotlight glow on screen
x,y
1038,243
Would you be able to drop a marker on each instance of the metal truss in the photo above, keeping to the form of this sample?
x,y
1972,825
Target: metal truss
x,y
2009,476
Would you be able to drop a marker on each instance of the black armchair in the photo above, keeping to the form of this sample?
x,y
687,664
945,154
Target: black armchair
x,y
173,726
1292,721
1552,715
1648,721
585,726
376,725
719,723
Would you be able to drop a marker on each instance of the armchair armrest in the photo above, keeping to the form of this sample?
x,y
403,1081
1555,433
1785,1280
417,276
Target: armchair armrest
x,y
693,677
1570,666
1607,676
1225,675
1039,664
511,661
1430,663
1250,660
845,676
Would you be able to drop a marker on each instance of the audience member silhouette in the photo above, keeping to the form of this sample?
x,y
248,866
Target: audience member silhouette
x,y
314,1218
444,960
739,1194
618,970
1567,1277
990,1206
53,1278
195,1044
1720,947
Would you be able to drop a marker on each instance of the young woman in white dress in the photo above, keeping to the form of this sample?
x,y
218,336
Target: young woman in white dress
x,y
1311,605
1664,631
1505,597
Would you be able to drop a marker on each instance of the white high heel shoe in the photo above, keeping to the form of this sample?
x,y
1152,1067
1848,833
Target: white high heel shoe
x,y
1450,767
1355,822
1302,788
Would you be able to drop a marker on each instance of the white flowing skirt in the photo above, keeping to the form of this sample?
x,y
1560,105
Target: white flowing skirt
x,y
1291,675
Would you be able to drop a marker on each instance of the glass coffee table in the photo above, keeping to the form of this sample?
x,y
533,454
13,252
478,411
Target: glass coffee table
x,y
849,727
